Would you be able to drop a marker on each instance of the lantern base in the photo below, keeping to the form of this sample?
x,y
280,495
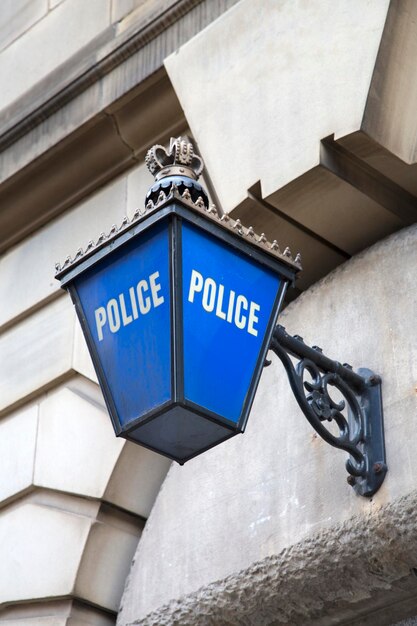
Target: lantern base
x,y
179,433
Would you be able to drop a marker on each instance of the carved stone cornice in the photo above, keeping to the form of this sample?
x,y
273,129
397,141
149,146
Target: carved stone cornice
x,y
42,101
78,128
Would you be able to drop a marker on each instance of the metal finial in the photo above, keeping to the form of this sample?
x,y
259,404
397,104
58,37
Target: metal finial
x,y
179,159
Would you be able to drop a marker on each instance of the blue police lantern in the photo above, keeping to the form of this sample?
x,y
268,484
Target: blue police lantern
x,y
177,307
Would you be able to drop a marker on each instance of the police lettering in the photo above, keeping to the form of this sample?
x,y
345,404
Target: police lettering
x,y
122,310
226,304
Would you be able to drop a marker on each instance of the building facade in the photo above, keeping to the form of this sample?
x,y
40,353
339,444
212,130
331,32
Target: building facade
x,y
304,113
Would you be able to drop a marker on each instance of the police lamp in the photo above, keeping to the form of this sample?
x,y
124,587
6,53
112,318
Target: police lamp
x,y
178,307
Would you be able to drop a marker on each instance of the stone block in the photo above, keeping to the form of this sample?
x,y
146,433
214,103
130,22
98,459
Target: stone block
x,y
389,116
245,98
17,451
65,547
107,559
54,242
43,538
36,352
18,16
50,42
64,441
76,448
136,479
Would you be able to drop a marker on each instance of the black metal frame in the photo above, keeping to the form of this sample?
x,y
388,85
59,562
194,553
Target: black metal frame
x,y
362,431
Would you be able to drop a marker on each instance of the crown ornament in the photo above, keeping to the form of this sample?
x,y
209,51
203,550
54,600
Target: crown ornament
x,y
179,160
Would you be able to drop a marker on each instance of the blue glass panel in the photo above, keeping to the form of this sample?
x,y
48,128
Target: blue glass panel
x,y
228,300
126,302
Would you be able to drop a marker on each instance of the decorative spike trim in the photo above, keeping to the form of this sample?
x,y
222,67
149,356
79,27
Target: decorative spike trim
x,y
125,222
225,221
161,198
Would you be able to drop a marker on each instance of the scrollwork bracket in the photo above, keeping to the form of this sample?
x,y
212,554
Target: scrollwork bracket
x,y
361,431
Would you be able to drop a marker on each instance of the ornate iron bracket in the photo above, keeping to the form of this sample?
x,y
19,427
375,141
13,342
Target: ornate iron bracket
x,y
361,431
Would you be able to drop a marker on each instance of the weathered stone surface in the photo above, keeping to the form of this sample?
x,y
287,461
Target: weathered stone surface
x,y
265,526
49,43
17,16
345,564
277,74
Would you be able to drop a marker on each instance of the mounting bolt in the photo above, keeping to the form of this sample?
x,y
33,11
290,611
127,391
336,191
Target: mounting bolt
x,y
378,467
374,380
351,480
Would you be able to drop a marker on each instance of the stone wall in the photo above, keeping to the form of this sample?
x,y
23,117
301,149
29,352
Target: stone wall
x,y
73,498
